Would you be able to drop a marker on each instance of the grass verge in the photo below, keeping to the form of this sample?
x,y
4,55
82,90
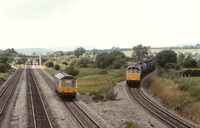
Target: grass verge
x,y
181,95
131,125
91,79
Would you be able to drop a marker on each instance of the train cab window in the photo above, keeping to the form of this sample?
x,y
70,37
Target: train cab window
x,y
73,84
62,84
133,71
138,72
68,84
129,71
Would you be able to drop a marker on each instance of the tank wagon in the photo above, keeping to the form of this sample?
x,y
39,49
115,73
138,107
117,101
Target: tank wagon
x,y
65,85
135,72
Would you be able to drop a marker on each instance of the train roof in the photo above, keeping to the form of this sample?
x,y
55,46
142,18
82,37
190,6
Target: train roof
x,y
64,76
134,66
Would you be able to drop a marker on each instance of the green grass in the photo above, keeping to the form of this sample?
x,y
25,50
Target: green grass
x,y
50,70
131,125
180,94
3,77
90,79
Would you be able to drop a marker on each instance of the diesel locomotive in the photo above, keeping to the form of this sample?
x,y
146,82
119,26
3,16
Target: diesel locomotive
x,y
135,72
65,85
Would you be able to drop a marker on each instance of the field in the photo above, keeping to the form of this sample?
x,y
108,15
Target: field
x,y
91,79
193,51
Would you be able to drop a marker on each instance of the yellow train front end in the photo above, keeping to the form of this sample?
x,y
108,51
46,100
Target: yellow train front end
x,y
68,87
132,76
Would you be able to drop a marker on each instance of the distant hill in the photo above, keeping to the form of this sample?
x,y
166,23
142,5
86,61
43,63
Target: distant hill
x,y
29,51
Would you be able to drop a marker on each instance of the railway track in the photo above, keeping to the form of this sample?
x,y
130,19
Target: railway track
x,y
40,114
165,116
8,90
82,117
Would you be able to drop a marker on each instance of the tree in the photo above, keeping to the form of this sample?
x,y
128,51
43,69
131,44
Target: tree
x,y
18,60
166,56
104,60
79,51
83,62
49,64
94,52
57,67
119,63
118,54
3,59
139,52
33,54
181,58
59,53
71,71
189,62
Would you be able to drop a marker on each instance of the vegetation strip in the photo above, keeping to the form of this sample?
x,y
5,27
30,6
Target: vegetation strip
x,y
165,117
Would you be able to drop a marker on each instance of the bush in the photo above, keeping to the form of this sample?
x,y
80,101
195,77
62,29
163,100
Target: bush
x,y
166,56
191,72
71,71
49,64
111,95
104,93
172,66
83,62
117,64
18,60
104,60
57,67
72,62
4,59
4,67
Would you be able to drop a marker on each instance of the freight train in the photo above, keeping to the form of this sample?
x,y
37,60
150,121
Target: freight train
x,y
65,85
135,72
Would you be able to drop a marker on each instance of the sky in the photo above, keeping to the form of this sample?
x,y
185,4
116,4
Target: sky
x,y
99,24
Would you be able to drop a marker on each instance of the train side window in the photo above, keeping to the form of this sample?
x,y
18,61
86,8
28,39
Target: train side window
x,y
68,84
137,72
62,84
73,84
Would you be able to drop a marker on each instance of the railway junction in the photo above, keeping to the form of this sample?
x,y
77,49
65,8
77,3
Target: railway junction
x,y
28,100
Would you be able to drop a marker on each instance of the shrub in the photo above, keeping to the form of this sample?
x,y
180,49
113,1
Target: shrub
x,y
104,60
117,64
57,67
111,95
71,70
83,62
4,59
104,93
49,64
72,62
191,72
18,60
166,56
4,67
